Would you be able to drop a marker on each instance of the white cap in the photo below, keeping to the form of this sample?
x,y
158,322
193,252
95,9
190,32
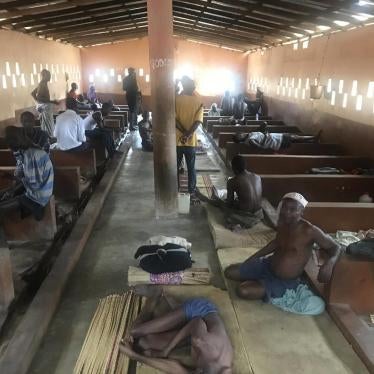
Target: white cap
x,y
297,197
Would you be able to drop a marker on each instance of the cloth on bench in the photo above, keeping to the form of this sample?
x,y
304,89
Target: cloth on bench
x,y
257,236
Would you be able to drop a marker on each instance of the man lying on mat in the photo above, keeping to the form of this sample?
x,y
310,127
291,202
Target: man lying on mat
x,y
244,211
196,323
273,273
274,141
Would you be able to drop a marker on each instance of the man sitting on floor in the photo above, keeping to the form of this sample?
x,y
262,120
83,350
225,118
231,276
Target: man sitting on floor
x,y
34,175
273,141
145,131
273,273
69,129
196,323
244,211
37,136
94,128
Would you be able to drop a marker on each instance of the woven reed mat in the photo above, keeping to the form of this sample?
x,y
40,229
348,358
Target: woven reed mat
x,y
113,317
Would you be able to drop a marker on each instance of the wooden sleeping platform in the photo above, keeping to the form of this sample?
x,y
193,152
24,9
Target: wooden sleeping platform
x,y
282,343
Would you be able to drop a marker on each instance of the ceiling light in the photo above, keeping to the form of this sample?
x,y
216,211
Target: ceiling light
x,y
323,27
341,23
298,35
363,3
310,31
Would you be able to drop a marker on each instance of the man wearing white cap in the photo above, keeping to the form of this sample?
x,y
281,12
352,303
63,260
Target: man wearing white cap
x,y
273,273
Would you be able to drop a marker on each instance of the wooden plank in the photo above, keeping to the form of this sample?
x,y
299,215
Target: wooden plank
x,y
6,276
317,188
333,216
86,160
28,229
67,181
233,149
356,331
207,118
34,324
217,129
299,164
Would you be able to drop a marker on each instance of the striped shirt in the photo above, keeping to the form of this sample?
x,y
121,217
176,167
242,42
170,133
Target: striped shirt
x,y
34,168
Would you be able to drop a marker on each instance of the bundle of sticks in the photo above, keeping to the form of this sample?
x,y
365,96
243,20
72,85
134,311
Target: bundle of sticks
x,y
191,276
113,318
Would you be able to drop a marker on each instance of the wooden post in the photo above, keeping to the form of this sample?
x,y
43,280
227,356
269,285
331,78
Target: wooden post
x,y
6,277
161,55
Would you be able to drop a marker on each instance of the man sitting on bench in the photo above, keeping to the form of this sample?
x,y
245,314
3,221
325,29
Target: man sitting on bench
x,y
34,175
94,128
244,211
273,273
37,136
69,129
196,323
239,109
274,141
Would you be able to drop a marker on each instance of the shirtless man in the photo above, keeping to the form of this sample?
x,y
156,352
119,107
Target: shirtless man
x,y
244,193
197,323
270,277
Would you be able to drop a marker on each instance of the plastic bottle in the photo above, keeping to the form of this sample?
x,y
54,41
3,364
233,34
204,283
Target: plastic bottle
x,y
256,116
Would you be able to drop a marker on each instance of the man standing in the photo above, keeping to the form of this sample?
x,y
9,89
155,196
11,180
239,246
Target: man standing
x,y
188,117
45,104
131,87
274,272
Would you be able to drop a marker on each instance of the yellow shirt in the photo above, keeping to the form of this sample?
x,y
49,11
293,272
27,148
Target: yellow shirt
x,y
188,110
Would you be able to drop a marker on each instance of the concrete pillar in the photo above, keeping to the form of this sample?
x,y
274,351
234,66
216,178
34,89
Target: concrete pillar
x,y
161,56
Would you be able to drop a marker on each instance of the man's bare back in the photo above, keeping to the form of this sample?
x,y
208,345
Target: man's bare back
x,y
248,189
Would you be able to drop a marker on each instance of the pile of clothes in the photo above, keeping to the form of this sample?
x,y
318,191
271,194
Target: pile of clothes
x,y
358,244
163,254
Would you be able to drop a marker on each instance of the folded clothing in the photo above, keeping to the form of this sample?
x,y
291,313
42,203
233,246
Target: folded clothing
x,y
300,301
162,240
158,259
198,307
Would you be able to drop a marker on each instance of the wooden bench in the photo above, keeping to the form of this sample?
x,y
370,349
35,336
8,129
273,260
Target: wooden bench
x,y
67,185
28,229
218,129
233,149
319,188
226,137
299,164
207,118
249,122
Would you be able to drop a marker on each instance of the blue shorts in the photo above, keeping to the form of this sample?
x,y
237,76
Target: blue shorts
x,y
258,269
198,308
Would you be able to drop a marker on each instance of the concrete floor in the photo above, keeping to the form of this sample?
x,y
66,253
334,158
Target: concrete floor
x,y
126,221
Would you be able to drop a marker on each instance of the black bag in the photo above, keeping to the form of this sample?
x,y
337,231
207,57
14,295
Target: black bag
x,y
158,259
364,248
